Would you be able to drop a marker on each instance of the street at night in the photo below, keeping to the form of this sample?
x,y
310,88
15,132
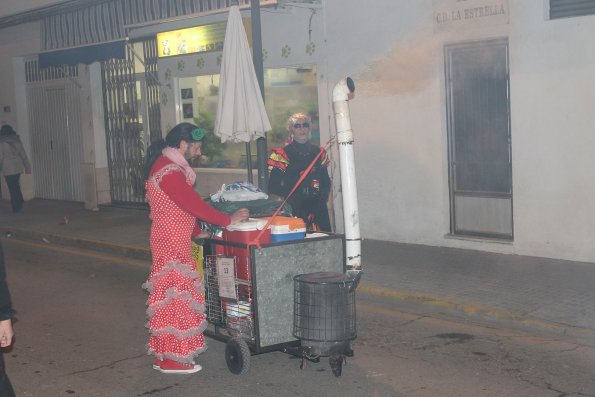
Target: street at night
x,y
390,198
80,331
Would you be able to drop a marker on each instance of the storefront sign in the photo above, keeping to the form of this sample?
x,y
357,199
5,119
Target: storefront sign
x,y
465,13
196,39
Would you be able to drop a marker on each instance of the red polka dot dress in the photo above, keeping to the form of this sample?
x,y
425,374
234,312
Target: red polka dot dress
x,y
176,305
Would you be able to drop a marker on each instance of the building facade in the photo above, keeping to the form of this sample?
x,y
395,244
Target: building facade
x,y
472,118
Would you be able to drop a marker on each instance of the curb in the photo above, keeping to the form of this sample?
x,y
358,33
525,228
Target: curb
x,y
127,251
408,301
443,306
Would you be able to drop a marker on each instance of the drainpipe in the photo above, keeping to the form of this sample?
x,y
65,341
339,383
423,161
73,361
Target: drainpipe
x,y
342,92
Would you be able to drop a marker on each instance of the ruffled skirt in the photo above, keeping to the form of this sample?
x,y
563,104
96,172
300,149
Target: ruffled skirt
x,y
176,312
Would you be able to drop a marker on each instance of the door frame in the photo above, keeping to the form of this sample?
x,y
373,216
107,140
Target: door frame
x,y
56,153
497,199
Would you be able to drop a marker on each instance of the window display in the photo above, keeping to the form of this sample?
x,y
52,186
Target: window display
x,y
287,90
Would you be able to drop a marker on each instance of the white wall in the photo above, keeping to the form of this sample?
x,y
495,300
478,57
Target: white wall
x,y
553,133
396,114
16,42
394,52
395,55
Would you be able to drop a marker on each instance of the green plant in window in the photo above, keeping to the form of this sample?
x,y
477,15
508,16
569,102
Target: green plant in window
x,y
312,109
278,135
213,156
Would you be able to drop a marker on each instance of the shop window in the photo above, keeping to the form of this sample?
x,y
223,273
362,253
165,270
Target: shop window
x,y
287,90
571,8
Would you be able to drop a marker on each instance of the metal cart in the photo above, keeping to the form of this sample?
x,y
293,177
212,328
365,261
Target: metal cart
x,y
249,292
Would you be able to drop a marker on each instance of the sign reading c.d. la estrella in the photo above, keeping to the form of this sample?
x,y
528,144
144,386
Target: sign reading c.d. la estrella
x,y
450,13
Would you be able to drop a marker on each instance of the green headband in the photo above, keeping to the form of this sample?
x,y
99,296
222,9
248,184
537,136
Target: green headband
x,y
198,134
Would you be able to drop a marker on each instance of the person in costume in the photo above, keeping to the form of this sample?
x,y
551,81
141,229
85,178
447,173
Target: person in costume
x,y
176,305
286,165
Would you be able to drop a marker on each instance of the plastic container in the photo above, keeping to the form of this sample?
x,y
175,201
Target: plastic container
x,y
296,235
244,233
284,228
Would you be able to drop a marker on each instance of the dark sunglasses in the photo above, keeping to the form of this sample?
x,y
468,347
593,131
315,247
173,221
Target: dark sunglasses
x,y
298,125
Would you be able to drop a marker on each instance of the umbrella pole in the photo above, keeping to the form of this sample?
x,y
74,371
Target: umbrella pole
x,y
261,143
249,162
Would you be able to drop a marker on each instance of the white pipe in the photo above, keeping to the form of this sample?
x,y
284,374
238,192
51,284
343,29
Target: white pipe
x,y
342,92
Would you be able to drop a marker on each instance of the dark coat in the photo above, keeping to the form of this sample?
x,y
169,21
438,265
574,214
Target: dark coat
x,y
6,312
308,202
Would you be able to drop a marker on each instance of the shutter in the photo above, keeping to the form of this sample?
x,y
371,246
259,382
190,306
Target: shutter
x,y
571,8
107,20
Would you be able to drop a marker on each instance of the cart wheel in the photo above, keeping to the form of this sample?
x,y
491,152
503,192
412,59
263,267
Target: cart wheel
x,y
336,363
237,356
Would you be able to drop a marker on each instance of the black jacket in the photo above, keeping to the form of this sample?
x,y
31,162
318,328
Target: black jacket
x,y
6,310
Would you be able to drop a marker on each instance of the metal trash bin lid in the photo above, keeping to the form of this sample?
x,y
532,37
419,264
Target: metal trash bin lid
x,y
322,278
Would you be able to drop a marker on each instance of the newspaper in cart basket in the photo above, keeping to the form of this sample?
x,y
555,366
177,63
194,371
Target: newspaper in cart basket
x,y
239,319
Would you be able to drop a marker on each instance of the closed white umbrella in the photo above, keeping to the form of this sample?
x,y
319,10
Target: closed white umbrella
x,y
241,116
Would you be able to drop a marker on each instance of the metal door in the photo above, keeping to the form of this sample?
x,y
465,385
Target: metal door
x,y
132,119
53,105
480,168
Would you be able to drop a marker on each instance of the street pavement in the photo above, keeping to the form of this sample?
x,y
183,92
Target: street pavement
x,y
552,296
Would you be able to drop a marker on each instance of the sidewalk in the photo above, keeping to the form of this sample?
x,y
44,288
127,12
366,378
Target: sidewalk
x,y
527,293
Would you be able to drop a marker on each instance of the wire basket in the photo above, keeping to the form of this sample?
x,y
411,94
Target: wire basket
x,y
324,307
231,310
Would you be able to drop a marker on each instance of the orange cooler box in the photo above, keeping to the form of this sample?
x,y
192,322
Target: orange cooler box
x,y
244,233
285,228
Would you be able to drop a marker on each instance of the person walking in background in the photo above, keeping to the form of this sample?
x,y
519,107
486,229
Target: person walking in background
x,y
286,166
13,161
176,305
6,331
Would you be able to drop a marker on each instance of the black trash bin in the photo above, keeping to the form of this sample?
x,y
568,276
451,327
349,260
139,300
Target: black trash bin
x,y
325,317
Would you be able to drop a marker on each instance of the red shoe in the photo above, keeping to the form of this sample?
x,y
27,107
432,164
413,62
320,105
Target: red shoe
x,y
168,366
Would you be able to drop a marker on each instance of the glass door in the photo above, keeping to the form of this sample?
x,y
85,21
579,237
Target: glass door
x,y
480,170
